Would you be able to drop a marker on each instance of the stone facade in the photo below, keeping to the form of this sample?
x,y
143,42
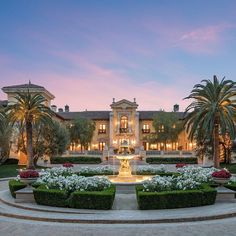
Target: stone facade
x,y
122,122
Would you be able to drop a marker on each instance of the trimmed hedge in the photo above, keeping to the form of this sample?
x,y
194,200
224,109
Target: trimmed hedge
x,y
171,160
160,173
95,174
100,200
231,186
11,161
50,197
175,199
76,160
15,185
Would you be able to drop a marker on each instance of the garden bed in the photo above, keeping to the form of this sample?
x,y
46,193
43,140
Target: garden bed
x,y
76,160
175,199
101,200
171,160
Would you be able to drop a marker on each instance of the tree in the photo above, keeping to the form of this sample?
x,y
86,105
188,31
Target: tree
x,y
5,135
29,109
56,138
212,110
81,131
167,127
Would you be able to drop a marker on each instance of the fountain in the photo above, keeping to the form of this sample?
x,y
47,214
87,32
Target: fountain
x,y
125,181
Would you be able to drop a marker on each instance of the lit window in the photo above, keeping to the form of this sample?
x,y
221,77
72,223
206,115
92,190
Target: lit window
x,y
102,129
123,124
146,128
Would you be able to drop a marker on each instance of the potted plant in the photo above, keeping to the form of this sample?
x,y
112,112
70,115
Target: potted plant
x,y
28,176
221,176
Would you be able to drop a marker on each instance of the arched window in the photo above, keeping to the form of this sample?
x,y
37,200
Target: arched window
x,y
123,124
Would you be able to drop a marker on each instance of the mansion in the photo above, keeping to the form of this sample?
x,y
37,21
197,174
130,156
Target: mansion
x,y
123,121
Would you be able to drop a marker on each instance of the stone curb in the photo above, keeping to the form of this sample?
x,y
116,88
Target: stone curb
x,y
150,221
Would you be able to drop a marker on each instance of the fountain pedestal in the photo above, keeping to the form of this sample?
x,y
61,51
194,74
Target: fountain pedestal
x,y
125,169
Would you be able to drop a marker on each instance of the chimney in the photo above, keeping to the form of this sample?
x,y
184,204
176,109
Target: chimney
x,y
67,108
54,108
60,110
176,108
113,100
134,100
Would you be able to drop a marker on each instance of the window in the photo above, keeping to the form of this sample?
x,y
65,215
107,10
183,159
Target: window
x,y
161,129
102,129
146,128
123,124
101,146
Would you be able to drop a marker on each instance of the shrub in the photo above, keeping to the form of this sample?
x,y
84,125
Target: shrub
x,y
175,199
100,200
76,160
50,197
171,160
68,165
11,161
15,185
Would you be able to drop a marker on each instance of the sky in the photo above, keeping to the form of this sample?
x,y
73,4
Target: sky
x,y
88,52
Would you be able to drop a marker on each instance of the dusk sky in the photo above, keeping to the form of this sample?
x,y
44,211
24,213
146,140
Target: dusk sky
x,y
87,52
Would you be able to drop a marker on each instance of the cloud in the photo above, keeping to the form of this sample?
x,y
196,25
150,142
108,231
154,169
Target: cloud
x,y
205,39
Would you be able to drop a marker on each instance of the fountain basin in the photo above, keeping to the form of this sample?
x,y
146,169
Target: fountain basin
x,y
127,185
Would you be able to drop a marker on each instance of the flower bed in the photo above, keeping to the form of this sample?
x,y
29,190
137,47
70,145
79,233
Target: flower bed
x,y
76,160
101,170
61,187
175,199
184,190
149,170
171,160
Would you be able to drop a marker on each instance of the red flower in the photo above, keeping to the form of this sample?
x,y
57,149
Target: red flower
x,y
29,174
180,165
224,174
68,165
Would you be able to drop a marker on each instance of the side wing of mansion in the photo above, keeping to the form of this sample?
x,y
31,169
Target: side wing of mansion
x,y
123,121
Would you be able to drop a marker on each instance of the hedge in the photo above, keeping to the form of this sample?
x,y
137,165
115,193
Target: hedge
x,y
175,199
11,161
15,185
76,160
50,197
171,160
93,173
157,173
100,200
231,186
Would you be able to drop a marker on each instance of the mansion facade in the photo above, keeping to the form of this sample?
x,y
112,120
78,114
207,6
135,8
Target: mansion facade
x,y
123,121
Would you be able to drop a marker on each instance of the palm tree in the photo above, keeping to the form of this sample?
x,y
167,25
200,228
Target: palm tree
x,y
212,111
5,135
29,109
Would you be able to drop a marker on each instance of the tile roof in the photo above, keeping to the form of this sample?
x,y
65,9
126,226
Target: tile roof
x,y
104,115
29,85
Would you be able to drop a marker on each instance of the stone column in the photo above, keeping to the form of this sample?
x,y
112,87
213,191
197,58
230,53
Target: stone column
x,y
137,129
111,116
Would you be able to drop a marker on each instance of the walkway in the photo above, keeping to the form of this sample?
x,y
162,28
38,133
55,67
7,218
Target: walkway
x,y
21,227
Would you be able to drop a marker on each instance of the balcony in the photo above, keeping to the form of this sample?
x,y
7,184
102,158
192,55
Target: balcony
x,y
123,130
101,131
146,131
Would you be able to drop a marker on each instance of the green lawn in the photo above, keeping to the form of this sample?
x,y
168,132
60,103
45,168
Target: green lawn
x,y
11,170
230,167
8,171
